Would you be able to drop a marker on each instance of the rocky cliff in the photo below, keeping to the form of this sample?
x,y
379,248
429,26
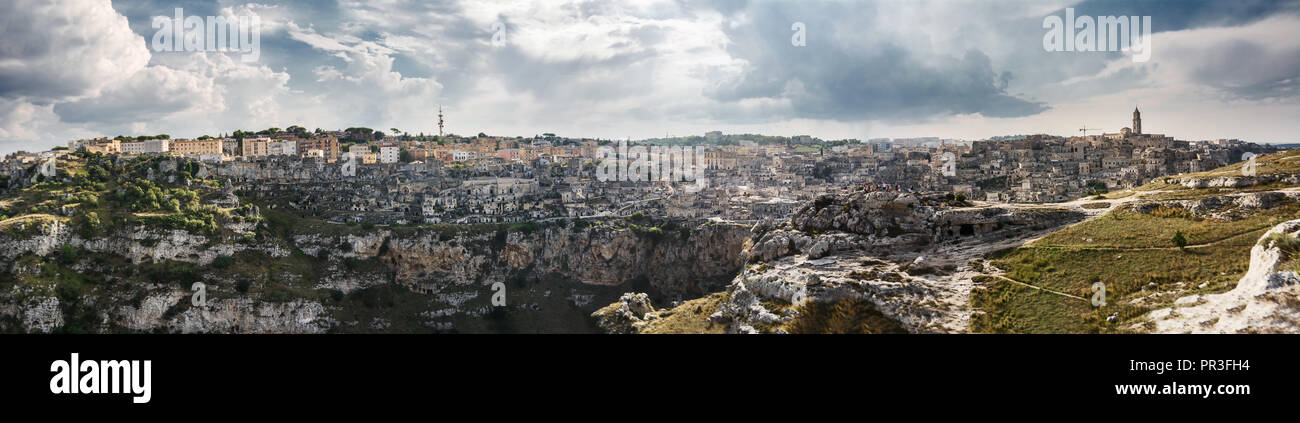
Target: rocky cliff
x,y
313,279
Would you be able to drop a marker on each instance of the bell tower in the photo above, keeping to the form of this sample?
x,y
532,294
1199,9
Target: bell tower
x,y
1137,122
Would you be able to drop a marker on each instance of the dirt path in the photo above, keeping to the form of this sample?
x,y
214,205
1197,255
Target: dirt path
x,y
1035,287
1207,244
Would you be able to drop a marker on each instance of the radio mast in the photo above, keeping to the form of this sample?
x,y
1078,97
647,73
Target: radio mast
x,y
440,121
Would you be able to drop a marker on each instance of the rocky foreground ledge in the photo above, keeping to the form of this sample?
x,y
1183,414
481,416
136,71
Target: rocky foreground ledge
x,y
899,261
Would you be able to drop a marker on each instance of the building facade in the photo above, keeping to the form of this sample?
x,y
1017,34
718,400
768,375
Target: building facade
x,y
196,148
146,147
389,153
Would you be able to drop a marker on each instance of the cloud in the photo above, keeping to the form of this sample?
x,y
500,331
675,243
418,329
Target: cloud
x,y
78,70
65,49
1259,61
851,69
150,94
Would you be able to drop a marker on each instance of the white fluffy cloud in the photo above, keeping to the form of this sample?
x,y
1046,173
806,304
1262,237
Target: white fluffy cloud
x,y
65,49
76,69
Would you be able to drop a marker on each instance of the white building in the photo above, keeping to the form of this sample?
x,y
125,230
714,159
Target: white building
x,y
282,148
462,155
389,153
145,147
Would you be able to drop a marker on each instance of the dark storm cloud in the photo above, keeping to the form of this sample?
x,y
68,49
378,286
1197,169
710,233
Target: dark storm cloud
x,y
26,41
1174,15
859,78
1249,69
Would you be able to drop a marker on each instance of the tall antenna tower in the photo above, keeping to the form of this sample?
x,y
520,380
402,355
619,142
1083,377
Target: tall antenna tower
x,y
440,121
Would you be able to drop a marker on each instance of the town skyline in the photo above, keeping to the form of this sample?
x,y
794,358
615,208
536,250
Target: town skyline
x,y
797,138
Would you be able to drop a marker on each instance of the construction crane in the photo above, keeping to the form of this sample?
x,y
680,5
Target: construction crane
x,y
1084,130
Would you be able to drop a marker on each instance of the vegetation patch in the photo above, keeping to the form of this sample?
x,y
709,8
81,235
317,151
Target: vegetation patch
x,y
1127,229
688,317
843,316
1005,307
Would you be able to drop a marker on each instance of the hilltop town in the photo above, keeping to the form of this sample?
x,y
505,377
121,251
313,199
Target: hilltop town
x,y
401,178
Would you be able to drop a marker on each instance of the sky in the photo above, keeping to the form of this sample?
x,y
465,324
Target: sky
x,y
74,69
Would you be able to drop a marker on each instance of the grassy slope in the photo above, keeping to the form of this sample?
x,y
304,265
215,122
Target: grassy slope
x,y
1284,163
1126,229
688,317
1133,254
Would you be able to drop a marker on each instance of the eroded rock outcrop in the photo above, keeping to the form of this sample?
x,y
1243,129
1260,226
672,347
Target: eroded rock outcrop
x,y
625,316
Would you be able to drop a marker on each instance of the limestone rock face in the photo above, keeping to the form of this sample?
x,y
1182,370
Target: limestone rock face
x,y
1264,300
137,244
884,222
675,263
1225,207
1231,181
42,314
240,315
563,269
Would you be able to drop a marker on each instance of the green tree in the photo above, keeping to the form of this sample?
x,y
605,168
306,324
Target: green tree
x,y
1180,240
67,254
